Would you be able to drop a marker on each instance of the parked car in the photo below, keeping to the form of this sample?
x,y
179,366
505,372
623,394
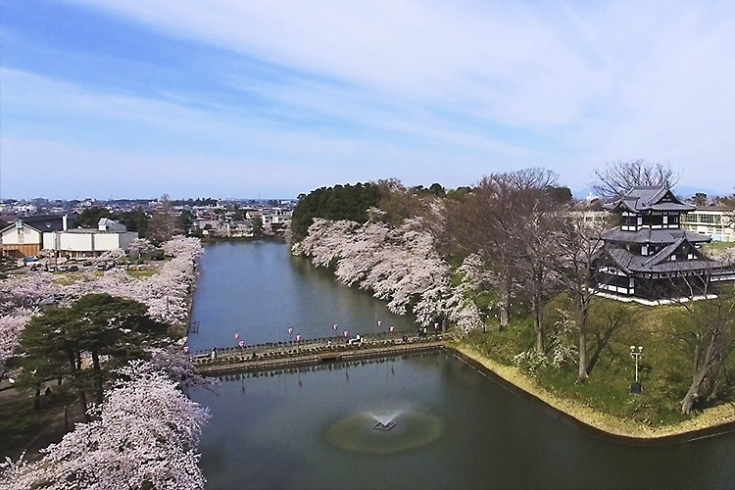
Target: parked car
x,y
51,268
73,268
63,268
102,266
87,263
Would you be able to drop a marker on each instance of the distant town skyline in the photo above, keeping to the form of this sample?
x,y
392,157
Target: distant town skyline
x,y
682,191
111,99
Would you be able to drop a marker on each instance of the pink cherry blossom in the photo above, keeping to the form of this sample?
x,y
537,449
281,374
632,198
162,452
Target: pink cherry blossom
x,y
144,435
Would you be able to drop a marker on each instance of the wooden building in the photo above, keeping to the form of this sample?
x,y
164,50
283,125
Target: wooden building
x,y
649,255
24,238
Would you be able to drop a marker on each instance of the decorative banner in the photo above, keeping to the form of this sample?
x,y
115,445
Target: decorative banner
x,y
298,338
241,344
237,336
392,329
290,331
346,333
334,327
436,326
380,323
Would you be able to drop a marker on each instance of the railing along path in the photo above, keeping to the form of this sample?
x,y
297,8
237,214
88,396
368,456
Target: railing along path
x,y
314,351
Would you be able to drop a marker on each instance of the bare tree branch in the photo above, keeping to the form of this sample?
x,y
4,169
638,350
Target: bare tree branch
x,y
618,177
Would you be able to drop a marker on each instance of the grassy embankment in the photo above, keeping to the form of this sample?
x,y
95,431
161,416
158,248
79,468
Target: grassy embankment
x,y
604,400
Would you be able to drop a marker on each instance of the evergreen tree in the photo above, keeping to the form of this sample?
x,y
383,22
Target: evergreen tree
x,y
90,217
347,201
99,325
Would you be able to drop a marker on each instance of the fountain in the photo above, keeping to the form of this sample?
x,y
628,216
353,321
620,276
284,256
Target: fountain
x,y
382,426
384,422
384,432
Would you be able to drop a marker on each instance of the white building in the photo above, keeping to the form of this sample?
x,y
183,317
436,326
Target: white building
x,y
109,235
717,222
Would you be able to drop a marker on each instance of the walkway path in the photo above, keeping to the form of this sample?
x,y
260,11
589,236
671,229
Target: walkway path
x,y
289,354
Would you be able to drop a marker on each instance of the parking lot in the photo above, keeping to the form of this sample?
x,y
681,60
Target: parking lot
x,y
82,265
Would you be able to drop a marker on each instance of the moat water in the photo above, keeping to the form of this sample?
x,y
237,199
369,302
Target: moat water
x,y
455,428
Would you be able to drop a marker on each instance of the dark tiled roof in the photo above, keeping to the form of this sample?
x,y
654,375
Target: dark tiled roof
x,y
45,223
631,263
649,198
664,253
647,235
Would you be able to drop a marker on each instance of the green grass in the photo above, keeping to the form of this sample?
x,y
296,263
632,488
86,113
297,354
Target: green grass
x,y
142,274
68,278
503,346
21,424
718,246
665,369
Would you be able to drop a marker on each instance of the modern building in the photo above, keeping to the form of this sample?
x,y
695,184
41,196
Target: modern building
x,y
109,235
717,222
649,255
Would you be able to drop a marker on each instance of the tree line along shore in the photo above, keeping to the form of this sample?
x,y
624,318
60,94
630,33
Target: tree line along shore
x,y
507,262
102,355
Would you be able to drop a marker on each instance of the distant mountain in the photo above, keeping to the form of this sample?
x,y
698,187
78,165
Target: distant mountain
x,y
687,191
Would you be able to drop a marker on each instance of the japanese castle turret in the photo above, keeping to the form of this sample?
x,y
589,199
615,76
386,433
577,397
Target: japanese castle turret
x,y
649,255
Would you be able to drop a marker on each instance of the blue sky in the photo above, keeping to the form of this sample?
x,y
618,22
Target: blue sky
x,y
231,98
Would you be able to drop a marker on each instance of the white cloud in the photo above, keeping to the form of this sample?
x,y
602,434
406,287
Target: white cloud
x,y
440,91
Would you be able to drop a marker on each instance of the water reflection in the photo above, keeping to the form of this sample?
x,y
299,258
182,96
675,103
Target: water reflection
x,y
469,432
257,290
271,430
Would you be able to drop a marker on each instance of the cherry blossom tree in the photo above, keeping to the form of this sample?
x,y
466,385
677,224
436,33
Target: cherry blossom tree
x,y
400,265
146,431
144,435
11,327
139,247
165,294
112,255
173,362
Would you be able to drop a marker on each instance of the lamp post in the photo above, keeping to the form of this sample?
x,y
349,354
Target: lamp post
x,y
636,353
